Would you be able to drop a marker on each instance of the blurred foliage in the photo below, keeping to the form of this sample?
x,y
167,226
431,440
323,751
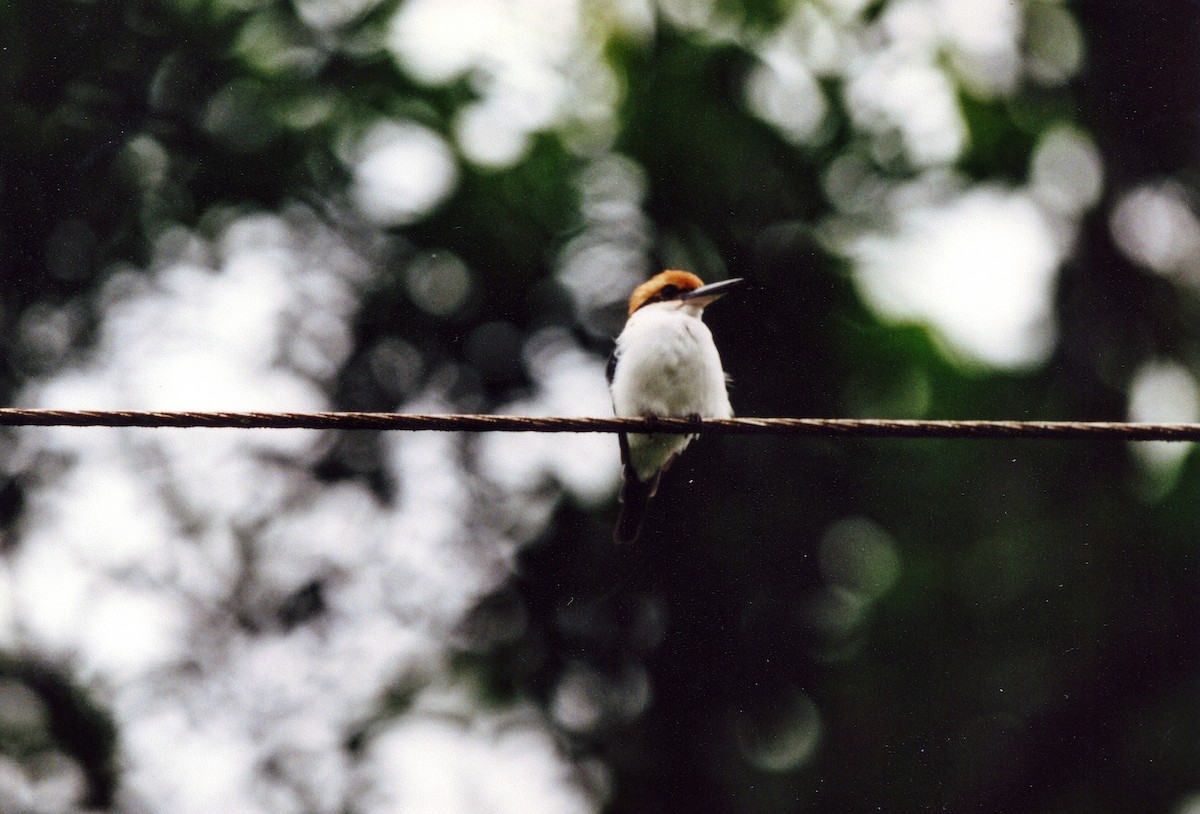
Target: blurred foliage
x,y
1039,649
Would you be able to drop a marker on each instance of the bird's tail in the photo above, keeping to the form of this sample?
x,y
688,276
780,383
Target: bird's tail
x,y
635,500
635,497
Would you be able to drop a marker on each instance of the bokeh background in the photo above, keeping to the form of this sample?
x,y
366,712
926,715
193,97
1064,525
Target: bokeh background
x,y
946,208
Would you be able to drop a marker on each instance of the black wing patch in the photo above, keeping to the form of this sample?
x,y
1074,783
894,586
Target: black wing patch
x,y
611,369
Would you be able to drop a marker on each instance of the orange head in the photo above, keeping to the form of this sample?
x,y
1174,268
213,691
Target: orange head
x,y
678,285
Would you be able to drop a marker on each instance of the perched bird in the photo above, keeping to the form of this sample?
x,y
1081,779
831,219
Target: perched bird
x,y
664,365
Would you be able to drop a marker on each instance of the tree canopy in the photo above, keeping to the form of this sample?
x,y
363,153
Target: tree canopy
x,y
944,209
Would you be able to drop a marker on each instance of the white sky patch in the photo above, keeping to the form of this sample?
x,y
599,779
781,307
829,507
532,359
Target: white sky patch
x,y
51,590
127,633
984,41
498,764
903,71
896,96
536,65
401,172
982,38
979,267
156,565
781,90
569,382
516,54
175,750
487,132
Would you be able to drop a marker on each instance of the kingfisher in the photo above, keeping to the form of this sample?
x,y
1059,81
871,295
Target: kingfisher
x,y
664,365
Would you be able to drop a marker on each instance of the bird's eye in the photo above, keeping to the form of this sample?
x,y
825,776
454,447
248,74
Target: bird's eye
x,y
669,291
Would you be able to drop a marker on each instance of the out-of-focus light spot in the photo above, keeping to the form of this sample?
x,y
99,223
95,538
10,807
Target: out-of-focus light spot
x,y
859,556
1163,392
980,267
522,58
585,700
783,92
1066,171
912,100
848,9
1189,805
834,613
853,185
127,634
910,26
600,266
319,345
8,609
401,172
612,187
273,43
146,160
437,41
1053,42
15,789
329,14
57,782
116,525
1156,227
306,112
51,589
22,713
983,38
236,5
44,335
814,35
188,766
691,15
779,733
487,135
396,366
599,277
426,763
577,702
438,282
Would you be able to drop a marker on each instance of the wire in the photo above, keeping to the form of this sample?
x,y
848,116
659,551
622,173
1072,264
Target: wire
x,y
803,427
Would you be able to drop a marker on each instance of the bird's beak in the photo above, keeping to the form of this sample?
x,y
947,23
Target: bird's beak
x,y
708,294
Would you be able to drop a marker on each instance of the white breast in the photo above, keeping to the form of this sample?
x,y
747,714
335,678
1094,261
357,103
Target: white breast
x,y
667,365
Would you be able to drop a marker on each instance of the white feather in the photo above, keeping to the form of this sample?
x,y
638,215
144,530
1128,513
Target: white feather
x,y
667,366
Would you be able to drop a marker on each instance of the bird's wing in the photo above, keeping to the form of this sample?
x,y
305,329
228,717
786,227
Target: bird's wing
x,y
635,493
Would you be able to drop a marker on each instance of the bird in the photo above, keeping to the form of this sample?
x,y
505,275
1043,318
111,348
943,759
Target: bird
x,y
664,365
